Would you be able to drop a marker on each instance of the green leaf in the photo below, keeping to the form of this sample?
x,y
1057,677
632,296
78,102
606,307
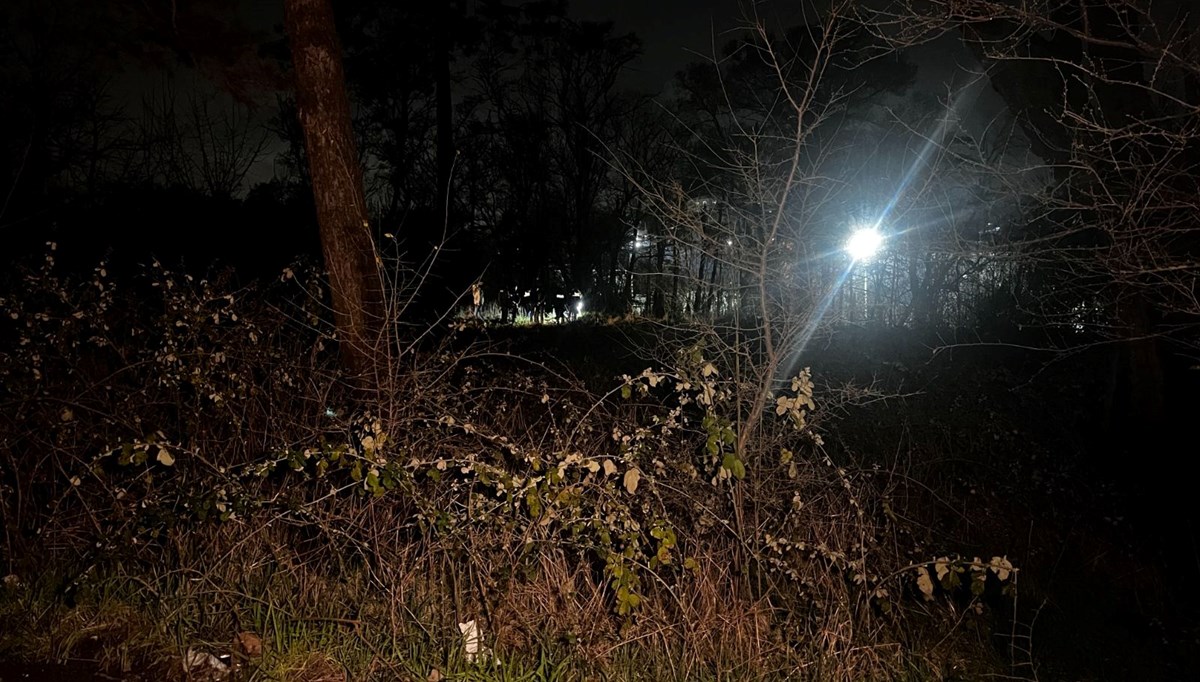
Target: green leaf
x,y
627,601
663,555
734,465
951,581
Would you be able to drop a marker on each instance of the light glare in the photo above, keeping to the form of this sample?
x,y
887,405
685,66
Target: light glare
x,y
864,243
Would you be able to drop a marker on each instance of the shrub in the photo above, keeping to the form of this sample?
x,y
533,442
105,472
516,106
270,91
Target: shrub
x,y
182,457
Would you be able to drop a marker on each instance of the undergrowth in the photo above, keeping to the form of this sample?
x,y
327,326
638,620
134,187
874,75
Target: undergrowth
x,y
185,469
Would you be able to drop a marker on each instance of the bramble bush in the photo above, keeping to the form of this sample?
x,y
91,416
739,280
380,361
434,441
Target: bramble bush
x,y
189,448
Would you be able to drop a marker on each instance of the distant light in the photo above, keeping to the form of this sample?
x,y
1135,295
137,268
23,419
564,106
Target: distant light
x,y
579,306
728,242
864,243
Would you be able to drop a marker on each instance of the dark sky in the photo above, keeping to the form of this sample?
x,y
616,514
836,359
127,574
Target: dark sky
x,y
677,32
668,28
672,31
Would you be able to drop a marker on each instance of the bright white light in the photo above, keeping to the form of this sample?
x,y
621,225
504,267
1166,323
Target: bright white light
x,y
864,243
579,306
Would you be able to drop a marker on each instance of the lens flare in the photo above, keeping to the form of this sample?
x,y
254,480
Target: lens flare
x,y
864,243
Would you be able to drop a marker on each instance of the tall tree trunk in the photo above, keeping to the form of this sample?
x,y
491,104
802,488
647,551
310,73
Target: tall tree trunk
x,y
627,285
710,297
445,115
673,308
323,106
1145,405
659,308
698,294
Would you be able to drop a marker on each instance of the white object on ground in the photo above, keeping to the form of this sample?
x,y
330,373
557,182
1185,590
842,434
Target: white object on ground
x,y
472,641
201,666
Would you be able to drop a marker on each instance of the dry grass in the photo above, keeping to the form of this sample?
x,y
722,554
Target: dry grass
x,y
471,486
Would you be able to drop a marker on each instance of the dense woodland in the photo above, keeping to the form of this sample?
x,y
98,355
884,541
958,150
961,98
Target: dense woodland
x,y
503,135
420,315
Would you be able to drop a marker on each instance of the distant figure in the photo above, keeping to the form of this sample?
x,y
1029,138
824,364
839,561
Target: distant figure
x,y
476,299
575,306
560,308
533,300
506,304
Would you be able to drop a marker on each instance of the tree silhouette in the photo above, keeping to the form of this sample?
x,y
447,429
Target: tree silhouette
x,y
548,99
1106,95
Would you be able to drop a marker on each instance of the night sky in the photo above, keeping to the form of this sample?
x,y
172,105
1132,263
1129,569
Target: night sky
x,y
675,33
672,31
